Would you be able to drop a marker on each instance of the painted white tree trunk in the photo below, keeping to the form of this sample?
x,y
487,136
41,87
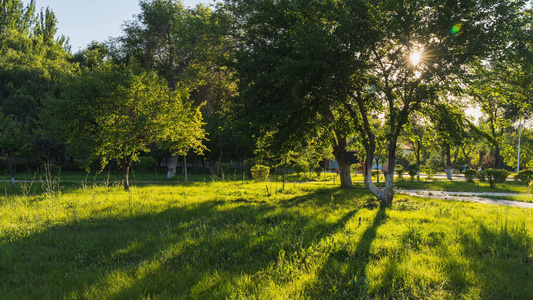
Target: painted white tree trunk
x,y
172,167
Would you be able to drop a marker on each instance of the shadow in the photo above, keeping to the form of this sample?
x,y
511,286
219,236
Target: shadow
x,y
201,250
349,283
495,261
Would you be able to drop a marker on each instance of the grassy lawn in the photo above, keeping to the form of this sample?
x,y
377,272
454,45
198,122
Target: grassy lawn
x,y
234,240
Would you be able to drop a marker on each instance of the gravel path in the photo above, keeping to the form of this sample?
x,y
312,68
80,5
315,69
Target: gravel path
x,y
467,196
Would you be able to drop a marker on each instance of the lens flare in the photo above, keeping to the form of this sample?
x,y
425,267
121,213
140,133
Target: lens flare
x,y
456,28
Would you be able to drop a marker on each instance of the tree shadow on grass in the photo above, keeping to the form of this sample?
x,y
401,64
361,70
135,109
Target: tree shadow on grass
x,y
348,283
498,258
197,251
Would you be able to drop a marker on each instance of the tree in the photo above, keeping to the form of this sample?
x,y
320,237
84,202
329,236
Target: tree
x,y
31,65
185,47
308,65
118,112
418,137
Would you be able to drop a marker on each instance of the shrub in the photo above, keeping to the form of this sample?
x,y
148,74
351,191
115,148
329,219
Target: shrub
x,y
376,172
482,175
470,174
260,172
301,166
145,163
399,170
430,172
531,187
318,170
496,176
525,176
412,170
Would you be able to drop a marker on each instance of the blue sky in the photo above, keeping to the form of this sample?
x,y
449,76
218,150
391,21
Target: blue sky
x,y
84,21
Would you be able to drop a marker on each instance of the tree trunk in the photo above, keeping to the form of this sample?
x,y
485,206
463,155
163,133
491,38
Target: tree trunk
x,y
284,173
185,167
172,167
448,167
126,164
418,160
12,168
497,157
341,156
385,195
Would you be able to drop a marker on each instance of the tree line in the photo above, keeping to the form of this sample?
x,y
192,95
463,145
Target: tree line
x,y
278,81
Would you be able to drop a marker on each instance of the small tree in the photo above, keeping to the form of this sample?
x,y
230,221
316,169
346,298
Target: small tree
x,y
525,176
470,174
412,170
300,167
260,172
496,176
399,170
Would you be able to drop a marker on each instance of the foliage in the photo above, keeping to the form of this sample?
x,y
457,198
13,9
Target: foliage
x,y
260,172
376,173
318,170
412,170
222,167
496,176
300,167
145,163
399,170
525,176
248,164
470,174
482,175
117,112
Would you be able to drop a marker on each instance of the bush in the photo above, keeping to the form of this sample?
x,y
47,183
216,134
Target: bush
x,y
376,172
525,176
470,174
301,166
399,170
531,187
412,170
497,176
318,170
145,163
482,175
260,172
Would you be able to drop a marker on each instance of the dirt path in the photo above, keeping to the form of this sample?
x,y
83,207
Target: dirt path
x,y
467,196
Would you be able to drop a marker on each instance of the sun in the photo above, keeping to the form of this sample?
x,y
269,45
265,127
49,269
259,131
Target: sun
x,y
415,58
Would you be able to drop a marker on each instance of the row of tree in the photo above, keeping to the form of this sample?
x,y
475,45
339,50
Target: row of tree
x,y
275,79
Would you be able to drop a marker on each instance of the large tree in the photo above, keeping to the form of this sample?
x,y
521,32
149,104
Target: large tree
x,y
183,45
31,65
304,63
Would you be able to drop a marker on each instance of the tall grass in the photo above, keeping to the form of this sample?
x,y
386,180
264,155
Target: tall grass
x,y
235,240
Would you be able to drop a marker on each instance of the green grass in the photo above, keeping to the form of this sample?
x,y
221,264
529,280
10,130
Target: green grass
x,y
235,240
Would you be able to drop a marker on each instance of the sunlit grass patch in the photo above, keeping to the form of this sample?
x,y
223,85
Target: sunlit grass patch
x,y
252,240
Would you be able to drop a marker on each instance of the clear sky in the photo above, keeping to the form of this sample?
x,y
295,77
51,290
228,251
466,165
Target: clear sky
x,y
84,21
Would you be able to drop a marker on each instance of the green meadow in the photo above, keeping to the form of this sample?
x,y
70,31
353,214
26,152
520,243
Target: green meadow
x,y
245,240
